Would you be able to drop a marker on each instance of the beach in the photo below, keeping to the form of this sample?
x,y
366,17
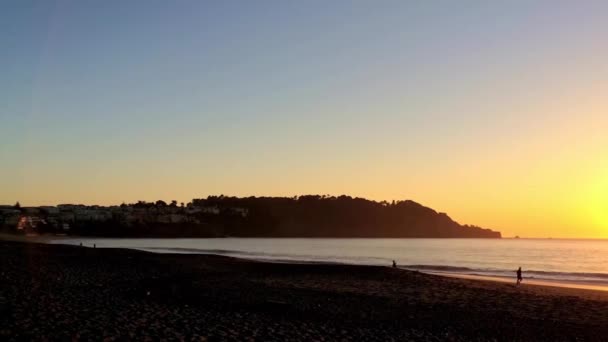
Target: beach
x,y
58,292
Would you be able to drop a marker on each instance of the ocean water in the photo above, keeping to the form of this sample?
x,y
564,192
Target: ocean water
x,y
576,261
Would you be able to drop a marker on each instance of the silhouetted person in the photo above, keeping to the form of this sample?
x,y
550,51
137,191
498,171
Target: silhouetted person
x,y
94,246
394,263
519,277
81,244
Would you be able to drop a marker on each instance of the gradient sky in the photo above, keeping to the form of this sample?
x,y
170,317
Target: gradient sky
x,y
494,112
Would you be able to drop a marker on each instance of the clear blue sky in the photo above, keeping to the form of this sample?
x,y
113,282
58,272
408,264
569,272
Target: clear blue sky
x,y
456,104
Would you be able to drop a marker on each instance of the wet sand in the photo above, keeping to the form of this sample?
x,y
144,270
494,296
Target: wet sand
x,y
54,292
528,281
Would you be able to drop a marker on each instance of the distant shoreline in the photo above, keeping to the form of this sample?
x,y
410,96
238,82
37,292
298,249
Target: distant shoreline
x,y
8,236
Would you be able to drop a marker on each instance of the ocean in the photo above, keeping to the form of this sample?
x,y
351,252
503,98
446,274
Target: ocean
x,y
568,261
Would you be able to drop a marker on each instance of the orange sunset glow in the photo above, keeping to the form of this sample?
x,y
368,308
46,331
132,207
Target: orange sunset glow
x,y
507,131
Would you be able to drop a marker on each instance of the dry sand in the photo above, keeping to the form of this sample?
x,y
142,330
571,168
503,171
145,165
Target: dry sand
x,y
53,292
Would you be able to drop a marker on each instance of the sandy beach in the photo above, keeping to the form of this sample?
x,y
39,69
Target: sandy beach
x,y
55,292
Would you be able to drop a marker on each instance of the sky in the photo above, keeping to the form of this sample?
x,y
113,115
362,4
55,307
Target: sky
x,y
493,112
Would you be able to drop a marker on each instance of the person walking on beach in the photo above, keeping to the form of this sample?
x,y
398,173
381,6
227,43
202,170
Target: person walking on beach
x,y
519,277
394,264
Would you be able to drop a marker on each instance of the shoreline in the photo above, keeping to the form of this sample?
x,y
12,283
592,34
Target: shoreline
x,y
527,281
60,292
574,284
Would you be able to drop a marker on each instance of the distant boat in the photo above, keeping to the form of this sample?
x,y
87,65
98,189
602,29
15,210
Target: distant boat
x,y
517,236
